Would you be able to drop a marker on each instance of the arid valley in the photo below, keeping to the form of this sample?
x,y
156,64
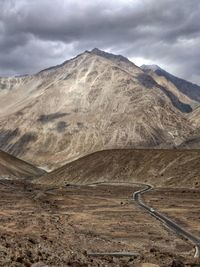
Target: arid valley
x,y
99,133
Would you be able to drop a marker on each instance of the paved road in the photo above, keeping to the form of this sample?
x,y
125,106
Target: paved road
x,y
113,254
167,221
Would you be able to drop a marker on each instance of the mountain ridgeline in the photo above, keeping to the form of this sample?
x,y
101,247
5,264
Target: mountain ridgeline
x,y
92,102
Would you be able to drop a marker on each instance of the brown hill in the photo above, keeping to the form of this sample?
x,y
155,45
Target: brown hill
x,y
13,168
178,168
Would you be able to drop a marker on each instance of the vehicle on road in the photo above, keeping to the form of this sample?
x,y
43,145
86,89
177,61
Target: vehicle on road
x,y
152,210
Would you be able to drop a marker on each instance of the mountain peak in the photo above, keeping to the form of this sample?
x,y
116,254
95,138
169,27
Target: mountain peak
x,y
152,67
98,52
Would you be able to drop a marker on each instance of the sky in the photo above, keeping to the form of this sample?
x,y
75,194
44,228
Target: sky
x,y
36,34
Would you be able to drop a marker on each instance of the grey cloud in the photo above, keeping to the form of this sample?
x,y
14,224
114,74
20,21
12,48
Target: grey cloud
x,y
35,34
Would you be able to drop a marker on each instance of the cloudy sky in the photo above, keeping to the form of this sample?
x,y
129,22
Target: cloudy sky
x,y
35,34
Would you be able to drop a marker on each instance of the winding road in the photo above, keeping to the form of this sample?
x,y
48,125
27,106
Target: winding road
x,y
167,221
178,230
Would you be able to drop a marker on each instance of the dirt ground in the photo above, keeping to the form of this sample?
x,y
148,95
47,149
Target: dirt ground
x,y
41,226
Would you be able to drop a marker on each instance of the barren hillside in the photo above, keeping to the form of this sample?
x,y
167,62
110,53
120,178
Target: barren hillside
x,y
13,168
179,168
195,117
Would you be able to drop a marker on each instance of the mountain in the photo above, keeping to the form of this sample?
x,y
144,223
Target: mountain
x,y
178,168
13,168
195,118
92,102
193,141
189,89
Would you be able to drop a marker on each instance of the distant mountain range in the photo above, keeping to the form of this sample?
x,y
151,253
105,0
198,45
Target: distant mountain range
x,y
92,102
190,89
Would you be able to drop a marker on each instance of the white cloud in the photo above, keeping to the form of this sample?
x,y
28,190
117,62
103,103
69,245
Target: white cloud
x,y
140,61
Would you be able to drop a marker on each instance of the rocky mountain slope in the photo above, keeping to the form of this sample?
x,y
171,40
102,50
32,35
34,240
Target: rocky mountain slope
x,y
189,89
195,118
193,141
13,168
92,102
178,168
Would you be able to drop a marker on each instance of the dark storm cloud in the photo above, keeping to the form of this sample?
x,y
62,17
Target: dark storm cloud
x,y
38,33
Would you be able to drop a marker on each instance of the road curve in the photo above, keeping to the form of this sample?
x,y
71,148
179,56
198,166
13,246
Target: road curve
x,y
166,220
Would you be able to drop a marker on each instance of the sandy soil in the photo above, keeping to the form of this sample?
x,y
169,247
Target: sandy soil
x,y
59,227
